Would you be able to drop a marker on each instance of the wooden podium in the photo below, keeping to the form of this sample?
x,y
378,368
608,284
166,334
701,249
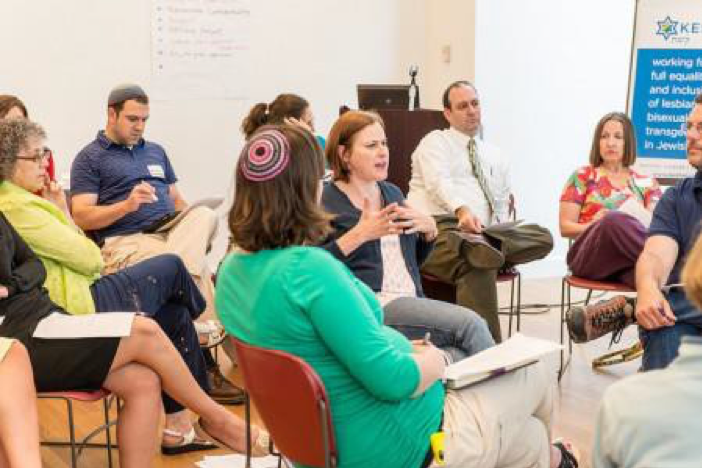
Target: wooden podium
x,y
404,129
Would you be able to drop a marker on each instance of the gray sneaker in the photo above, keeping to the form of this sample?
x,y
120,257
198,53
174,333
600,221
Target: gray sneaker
x,y
593,321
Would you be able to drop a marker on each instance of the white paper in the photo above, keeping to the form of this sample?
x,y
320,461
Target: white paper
x,y
634,208
517,350
207,202
105,325
238,461
200,49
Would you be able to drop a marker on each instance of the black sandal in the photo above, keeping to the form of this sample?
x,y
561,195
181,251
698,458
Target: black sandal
x,y
568,460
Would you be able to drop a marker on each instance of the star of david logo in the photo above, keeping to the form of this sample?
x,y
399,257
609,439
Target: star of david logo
x,y
667,28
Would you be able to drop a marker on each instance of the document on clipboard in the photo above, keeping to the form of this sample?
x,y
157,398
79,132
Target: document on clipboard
x,y
171,220
518,351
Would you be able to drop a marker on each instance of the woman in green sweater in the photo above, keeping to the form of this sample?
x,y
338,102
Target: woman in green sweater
x,y
385,392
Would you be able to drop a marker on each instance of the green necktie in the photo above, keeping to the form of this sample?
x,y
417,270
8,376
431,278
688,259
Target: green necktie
x,y
479,174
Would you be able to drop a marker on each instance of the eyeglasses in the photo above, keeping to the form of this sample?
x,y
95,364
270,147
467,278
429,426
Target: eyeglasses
x,y
688,126
39,156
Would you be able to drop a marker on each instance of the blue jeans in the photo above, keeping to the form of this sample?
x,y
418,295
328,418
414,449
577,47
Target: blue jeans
x,y
457,330
661,345
161,288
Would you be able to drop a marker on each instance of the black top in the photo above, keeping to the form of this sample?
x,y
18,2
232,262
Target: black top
x,y
366,262
23,274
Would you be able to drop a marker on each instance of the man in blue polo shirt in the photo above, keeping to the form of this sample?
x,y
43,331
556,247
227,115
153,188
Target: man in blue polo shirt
x,y
664,317
123,190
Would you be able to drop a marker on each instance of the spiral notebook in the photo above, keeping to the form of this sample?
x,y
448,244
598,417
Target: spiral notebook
x,y
518,351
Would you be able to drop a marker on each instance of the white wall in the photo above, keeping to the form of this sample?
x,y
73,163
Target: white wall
x,y
450,24
547,70
63,56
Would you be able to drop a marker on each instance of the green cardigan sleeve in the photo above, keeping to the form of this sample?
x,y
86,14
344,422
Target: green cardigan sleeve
x,y
348,319
53,238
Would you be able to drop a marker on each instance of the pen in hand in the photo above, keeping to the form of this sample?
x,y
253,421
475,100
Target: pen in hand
x,y
427,339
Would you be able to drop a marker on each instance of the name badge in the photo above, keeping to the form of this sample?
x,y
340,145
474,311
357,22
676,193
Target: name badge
x,y
156,171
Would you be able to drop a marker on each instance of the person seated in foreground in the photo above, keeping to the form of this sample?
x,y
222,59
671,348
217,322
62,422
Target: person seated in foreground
x,y
159,286
124,191
383,240
127,354
19,424
595,209
663,312
278,291
652,419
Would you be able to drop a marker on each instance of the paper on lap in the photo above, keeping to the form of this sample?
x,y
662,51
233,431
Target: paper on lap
x,y
517,351
207,202
105,325
634,208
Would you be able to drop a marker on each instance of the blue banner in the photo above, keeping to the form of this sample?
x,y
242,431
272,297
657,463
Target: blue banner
x,y
666,83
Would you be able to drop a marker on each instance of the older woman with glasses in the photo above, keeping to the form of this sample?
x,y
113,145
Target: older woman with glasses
x,y
11,107
601,209
159,287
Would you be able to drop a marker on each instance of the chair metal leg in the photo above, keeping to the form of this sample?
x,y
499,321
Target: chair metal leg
x,y
565,299
325,434
519,302
72,433
511,307
77,447
108,436
247,406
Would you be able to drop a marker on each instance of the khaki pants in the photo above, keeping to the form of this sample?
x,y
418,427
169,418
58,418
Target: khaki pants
x,y
476,288
189,239
500,423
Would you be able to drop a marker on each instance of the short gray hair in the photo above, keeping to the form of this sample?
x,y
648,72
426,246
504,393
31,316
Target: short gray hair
x,y
14,137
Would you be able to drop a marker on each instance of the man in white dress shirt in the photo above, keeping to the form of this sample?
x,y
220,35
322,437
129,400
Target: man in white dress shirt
x,y
464,183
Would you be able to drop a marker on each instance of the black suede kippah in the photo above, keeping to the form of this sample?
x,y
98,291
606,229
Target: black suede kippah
x,y
124,92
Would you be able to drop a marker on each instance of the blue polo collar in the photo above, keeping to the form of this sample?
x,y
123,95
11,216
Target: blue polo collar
x,y
106,143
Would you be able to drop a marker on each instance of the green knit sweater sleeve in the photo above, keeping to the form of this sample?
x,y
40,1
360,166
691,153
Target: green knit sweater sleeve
x,y
348,319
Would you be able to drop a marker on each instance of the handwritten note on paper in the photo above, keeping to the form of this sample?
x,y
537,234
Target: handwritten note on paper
x,y
200,48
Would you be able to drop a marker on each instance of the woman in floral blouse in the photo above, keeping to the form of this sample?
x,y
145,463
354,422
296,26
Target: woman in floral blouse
x,y
597,207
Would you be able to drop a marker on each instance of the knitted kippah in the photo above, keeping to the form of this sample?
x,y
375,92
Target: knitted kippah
x,y
265,156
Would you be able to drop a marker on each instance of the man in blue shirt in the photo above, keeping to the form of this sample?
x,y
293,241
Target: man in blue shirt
x,y
651,419
664,317
123,191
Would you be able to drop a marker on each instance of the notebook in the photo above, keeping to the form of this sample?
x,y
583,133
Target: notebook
x,y
518,351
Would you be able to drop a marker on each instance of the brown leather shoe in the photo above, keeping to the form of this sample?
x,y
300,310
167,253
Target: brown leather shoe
x,y
595,320
479,252
222,390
